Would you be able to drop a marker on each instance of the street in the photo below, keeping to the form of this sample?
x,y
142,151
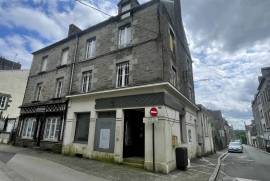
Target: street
x,y
253,164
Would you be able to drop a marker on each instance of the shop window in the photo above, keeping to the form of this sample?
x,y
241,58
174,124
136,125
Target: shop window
x,y
29,126
122,77
52,128
82,127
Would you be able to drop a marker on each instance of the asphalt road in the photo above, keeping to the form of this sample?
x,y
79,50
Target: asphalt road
x,y
253,164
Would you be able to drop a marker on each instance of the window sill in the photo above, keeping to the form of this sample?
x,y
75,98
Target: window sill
x,y
56,98
35,101
42,72
61,66
90,58
50,140
123,47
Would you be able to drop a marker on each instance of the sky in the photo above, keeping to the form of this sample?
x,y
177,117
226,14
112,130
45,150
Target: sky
x,y
229,41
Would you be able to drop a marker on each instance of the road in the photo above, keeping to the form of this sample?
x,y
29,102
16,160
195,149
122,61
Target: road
x,y
253,164
19,167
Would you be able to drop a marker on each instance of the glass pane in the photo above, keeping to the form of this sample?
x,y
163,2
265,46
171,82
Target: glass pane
x,y
82,127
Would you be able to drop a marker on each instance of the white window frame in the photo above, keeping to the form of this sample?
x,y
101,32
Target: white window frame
x,y
189,136
38,92
59,87
3,101
122,74
86,81
64,57
172,40
44,64
125,36
53,128
90,48
174,77
29,126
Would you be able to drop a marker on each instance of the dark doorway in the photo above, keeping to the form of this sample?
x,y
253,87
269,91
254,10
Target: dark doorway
x,y
133,133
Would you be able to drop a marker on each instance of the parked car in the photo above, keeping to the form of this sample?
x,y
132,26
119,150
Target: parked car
x,y
235,147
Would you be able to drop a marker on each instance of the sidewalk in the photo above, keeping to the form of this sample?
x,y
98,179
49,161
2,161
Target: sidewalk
x,y
200,169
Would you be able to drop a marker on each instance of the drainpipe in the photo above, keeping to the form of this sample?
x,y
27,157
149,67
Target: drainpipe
x,y
73,64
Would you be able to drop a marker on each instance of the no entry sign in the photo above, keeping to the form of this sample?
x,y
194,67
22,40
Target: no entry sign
x,y
153,112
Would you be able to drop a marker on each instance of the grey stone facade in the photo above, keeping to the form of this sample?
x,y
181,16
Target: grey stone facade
x,y
261,109
150,59
6,64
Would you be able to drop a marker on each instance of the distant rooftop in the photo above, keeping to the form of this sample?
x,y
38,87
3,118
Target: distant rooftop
x,y
6,64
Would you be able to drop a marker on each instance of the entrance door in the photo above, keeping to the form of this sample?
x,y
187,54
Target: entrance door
x,y
133,133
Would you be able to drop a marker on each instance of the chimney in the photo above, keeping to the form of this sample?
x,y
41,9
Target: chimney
x,y
125,5
73,29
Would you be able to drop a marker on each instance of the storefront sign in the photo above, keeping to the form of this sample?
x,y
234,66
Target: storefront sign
x,y
153,112
104,139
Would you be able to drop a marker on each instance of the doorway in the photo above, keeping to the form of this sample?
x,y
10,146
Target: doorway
x,y
133,133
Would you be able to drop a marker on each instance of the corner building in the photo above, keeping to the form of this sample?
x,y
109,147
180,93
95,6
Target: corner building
x,y
115,73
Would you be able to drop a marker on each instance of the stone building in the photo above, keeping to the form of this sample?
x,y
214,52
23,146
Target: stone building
x,y
12,87
6,64
261,109
91,93
204,132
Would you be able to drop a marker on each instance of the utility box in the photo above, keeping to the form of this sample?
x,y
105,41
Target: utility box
x,y
181,155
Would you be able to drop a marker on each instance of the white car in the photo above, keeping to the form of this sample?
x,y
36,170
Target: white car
x,y
235,147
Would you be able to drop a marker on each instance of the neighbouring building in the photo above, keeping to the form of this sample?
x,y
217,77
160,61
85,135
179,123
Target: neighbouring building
x,y
221,129
261,109
251,134
12,87
91,93
6,64
204,132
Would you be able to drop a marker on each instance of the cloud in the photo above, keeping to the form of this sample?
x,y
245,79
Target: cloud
x,y
229,44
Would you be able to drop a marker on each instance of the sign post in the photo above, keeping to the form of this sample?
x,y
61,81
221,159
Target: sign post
x,y
153,113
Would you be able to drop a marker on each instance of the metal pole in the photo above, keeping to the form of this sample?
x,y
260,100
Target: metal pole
x,y
153,136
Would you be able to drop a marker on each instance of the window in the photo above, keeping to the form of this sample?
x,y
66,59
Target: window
x,y
52,128
82,127
125,8
59,87
122,74
38,91
189,136
86,81
124,36
190,93
64,57
3,102
172,42
90,48
173,77
29,126
44,64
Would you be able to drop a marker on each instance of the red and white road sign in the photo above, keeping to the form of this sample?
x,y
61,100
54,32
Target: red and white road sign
x,y
153,112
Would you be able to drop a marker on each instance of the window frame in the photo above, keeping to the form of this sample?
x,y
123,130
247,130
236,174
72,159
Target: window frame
x,y
54,127
90,48
172,40
88,85
127,42
58,92
29,123
44,64
38,91
3,104
62,56
76,140
122,74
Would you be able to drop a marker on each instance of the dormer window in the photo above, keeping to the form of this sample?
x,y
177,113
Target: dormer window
x,y
126,8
